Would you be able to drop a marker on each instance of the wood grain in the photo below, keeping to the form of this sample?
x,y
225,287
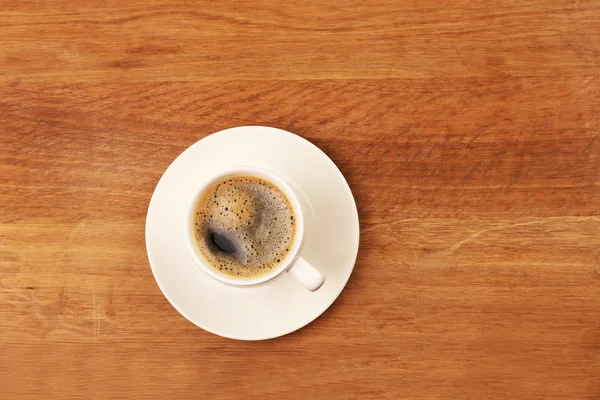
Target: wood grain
x,y
468,131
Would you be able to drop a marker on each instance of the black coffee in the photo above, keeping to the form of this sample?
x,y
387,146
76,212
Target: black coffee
x,y
245,226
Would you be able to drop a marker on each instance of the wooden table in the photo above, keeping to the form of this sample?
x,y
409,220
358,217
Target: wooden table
x,y
469,134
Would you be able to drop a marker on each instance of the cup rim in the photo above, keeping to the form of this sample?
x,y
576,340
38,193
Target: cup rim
x,y
289,259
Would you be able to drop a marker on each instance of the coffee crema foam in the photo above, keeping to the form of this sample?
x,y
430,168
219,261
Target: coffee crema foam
x,y
255,216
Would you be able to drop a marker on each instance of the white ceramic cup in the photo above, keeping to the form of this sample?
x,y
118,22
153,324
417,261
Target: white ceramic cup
x,y
293,263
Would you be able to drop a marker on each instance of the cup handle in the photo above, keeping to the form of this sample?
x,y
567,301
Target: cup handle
x,y
306,274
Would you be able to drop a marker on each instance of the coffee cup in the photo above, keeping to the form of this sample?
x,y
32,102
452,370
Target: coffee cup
x,y
291,261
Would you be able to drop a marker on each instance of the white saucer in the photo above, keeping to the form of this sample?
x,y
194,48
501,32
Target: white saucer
x,y
283,305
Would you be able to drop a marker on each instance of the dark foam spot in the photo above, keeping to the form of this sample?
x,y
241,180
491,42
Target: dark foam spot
x,y
223,243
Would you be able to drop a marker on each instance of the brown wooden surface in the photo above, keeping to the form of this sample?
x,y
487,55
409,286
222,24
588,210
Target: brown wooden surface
x,y
468,131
